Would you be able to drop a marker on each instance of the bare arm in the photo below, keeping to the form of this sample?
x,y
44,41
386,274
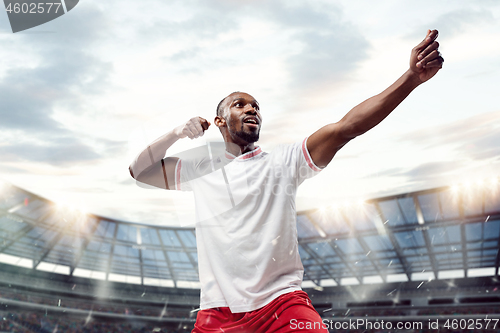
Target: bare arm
x,y
425,62
151,168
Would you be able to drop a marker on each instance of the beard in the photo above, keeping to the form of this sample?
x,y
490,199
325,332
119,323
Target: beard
x,y
250,137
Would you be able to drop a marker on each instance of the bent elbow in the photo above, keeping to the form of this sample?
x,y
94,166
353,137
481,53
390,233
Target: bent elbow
x,y
131,172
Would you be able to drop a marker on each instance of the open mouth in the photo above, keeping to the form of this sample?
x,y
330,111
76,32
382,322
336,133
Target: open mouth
x,y
251,121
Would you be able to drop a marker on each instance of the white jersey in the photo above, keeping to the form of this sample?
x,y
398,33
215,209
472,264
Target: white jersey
x,y
246,223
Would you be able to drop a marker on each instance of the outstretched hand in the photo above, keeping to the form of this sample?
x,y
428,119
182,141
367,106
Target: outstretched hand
x,y
193,128
426,60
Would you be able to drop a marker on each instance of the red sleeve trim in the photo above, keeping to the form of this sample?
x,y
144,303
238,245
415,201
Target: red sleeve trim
x,y
308,157
178,175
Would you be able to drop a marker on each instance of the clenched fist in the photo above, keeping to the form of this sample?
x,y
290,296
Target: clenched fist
x,y
193,128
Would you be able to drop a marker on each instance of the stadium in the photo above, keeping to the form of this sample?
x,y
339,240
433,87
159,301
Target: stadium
x,y
424,261
86,86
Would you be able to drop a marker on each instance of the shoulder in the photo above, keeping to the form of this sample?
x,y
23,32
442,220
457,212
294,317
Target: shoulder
x,y
286,152
203,159
290,148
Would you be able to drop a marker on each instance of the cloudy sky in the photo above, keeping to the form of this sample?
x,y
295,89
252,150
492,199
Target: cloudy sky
x,y
80,96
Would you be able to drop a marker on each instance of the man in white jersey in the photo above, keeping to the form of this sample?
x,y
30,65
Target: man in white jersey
x,y
249,264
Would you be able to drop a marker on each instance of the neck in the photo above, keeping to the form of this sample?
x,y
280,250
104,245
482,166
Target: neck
x,y
239,149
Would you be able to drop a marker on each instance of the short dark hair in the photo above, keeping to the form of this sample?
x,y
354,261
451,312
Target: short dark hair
x,y
220,109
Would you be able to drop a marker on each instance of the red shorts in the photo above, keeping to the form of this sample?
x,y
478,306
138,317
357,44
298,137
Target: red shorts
x,y
291,312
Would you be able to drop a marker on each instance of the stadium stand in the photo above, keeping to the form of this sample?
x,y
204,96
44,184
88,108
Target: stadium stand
x,y
423,256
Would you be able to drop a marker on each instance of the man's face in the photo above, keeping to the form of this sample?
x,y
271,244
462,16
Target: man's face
x,y
243,118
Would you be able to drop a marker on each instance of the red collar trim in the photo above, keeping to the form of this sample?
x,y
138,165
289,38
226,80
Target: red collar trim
x,y
245,156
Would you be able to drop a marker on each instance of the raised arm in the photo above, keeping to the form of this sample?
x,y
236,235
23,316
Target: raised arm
x,y
150,166
425,62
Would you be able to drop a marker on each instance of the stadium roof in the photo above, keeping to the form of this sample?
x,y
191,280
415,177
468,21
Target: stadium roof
x,y
441,233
